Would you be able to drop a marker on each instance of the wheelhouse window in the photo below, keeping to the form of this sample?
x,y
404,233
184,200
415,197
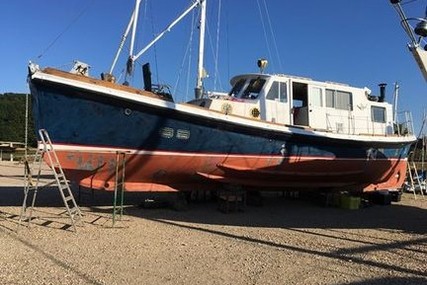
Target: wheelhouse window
x,y
337,99
237,88
254,88
378,114
278,92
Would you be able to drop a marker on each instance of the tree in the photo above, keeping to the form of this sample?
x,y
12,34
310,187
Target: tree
x,y
12,119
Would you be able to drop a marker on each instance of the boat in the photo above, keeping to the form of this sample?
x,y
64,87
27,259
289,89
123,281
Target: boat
x,y
269,132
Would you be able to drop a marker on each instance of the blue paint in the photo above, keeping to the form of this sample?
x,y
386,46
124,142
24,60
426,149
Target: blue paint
x,y
73,116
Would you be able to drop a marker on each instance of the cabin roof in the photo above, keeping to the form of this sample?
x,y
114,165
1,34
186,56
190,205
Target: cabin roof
x,y
279,76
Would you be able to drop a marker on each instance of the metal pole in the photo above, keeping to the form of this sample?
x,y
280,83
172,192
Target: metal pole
x,y
396,97
200,75
122,42
116,181
405,24
167,29
134,26
26,143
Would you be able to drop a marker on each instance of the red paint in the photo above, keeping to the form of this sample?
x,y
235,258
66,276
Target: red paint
x,y
177,172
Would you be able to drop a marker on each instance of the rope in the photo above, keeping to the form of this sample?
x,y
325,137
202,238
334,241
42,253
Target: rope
x,y
66,29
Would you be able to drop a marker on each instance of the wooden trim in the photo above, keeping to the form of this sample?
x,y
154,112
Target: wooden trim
x,y
99,82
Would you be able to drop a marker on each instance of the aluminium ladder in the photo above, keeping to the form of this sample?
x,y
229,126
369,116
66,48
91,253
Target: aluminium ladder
x,y
415,182
72,209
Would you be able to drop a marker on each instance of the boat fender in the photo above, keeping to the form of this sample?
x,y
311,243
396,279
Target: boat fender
x,y
226,108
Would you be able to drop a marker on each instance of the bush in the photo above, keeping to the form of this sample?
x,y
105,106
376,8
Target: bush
x,y
12,119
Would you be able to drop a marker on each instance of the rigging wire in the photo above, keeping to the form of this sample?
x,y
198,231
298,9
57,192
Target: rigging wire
x,y
406,25
227,40
75,19
265,33
156,64
188,52
273,36
216,72
194,19
214,51
408,2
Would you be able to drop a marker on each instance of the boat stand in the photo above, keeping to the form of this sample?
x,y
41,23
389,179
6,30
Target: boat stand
x,y
119,186
231,200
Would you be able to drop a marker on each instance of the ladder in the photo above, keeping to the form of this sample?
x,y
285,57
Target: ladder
x,y
31,188
415,182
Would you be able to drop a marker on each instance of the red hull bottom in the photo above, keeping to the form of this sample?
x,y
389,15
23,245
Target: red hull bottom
x,y
167,172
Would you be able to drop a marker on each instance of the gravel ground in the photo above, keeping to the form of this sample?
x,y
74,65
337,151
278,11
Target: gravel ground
x,y
282,242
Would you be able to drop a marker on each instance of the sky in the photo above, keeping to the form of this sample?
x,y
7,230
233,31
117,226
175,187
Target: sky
x,y
360,43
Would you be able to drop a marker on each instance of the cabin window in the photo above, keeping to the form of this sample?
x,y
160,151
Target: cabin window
x,y
316,96
253,89
237,88
343,100
378,114
339,100
330,98
278,92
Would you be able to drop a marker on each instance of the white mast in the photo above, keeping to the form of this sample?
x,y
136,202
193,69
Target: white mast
x,y
133,24
122,42
395,100
200,71
167,29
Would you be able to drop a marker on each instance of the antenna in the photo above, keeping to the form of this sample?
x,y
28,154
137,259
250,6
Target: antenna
x,y
262,64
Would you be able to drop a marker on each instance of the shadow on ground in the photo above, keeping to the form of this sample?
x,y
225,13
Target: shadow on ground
x,y
276,212
297,216
390,281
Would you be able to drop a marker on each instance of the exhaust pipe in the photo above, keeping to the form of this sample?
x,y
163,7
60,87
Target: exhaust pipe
x,y
382,86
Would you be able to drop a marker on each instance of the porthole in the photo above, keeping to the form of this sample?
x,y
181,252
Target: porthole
x,y
183,134
255,113
128,111
166,132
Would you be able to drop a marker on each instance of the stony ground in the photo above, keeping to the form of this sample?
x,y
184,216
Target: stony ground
x,y
282,242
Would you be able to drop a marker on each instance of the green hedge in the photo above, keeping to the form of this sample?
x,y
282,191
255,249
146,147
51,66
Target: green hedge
x,y
12,119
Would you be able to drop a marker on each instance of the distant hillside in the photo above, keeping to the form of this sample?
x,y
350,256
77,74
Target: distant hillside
x,y
12,119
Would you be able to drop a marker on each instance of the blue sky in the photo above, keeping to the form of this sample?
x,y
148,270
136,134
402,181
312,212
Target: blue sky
x,y
360,43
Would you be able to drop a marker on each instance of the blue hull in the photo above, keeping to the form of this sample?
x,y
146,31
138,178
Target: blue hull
x,y
83,118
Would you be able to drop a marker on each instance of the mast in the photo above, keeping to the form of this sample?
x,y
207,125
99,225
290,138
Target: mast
x,y
420,30
122,41
132,25
167,29
200,71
